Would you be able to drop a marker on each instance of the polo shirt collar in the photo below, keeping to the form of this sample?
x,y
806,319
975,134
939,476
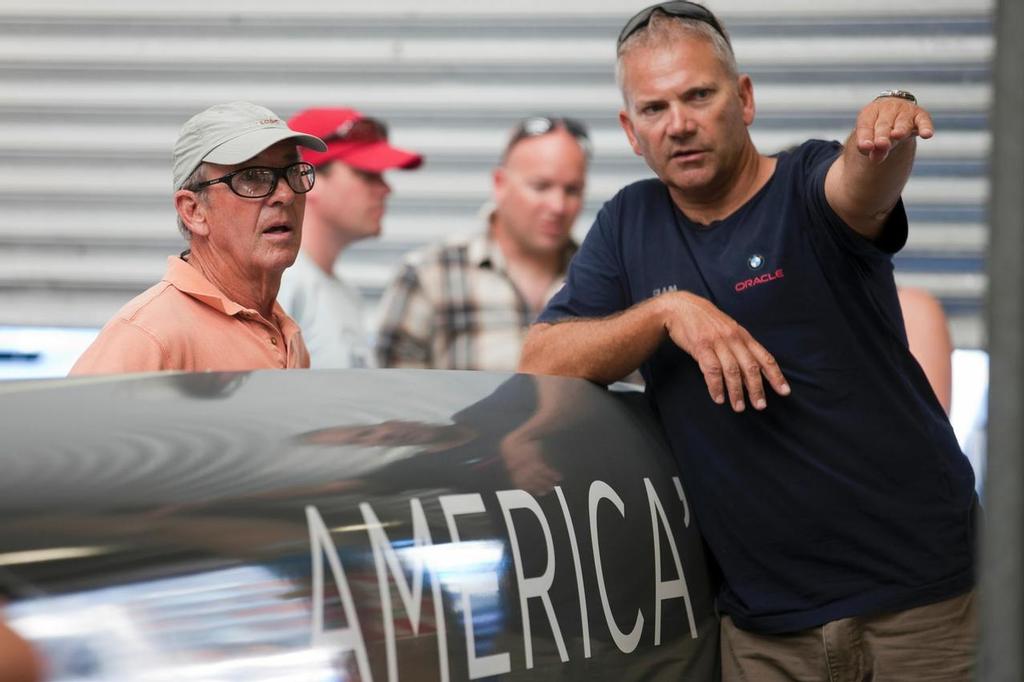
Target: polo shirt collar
x,y
188,280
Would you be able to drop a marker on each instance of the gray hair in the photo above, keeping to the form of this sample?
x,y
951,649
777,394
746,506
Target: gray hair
x,y
194,178
664,29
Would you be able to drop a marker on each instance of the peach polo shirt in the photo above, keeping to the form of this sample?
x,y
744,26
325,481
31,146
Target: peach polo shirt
x,y
186,323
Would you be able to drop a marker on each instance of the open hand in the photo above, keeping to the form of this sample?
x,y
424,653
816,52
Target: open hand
x,y
729,357
888,121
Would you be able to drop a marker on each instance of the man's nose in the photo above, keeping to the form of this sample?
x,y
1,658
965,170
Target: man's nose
x,y
283,193
557,200
375,183
679,122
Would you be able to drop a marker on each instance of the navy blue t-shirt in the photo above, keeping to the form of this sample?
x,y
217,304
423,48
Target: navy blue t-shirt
x,y
848,497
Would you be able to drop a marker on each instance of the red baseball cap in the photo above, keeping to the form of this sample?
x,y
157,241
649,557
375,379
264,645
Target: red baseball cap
x,y
353,139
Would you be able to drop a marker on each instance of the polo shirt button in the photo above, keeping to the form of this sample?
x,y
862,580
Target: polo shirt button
x,y
273,340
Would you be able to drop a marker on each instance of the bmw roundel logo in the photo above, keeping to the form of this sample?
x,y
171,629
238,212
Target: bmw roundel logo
x,y
755,261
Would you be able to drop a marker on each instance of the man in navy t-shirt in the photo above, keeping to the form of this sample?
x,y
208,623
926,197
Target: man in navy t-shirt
x,y
841,515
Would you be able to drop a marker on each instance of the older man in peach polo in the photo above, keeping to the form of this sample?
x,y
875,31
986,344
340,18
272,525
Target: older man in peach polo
x,y
239,190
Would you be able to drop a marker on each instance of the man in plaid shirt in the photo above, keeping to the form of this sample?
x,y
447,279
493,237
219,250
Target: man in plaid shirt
x,y
467,304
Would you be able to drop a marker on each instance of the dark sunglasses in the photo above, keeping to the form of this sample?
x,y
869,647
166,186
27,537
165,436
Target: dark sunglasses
x,y
676,8
360,130
256,182
535,126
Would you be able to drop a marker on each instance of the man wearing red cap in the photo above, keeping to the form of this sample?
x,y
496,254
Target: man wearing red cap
x,y
346,205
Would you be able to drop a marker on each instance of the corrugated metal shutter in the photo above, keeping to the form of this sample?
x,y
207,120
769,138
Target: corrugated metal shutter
x,y
92,95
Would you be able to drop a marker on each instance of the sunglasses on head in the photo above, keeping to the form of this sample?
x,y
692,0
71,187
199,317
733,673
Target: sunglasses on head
x,y
535,126
359,130
676,8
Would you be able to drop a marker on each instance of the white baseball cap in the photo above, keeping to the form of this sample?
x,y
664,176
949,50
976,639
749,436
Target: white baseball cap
x,y
231,133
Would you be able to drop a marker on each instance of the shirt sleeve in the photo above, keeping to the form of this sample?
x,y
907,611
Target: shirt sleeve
x,y
121,348
595,285
819,159
406,324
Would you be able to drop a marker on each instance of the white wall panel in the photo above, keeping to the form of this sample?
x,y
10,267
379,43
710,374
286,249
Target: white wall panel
x,y
92,95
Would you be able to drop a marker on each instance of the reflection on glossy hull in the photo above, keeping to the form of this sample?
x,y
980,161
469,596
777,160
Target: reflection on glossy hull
x,y
349,525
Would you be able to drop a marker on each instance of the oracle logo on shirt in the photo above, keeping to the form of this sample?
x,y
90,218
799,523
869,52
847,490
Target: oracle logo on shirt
x,y
751,282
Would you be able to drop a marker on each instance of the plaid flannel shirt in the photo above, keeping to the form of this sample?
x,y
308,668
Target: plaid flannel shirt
x,y
455,307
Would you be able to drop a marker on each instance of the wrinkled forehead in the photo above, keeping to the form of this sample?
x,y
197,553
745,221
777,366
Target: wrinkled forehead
x,y
671,65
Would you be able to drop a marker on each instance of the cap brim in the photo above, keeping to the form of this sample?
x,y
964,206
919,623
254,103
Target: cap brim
x,y
380,156
248,145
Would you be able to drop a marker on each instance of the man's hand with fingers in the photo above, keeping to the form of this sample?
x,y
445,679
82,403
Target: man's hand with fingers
x,y
892,118
729,358
864,183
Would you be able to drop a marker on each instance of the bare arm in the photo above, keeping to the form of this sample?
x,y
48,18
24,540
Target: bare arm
x,y
930,344
605,350
18,661
865,182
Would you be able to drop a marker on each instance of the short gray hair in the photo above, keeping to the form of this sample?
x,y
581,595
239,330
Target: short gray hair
x,y
664,29
194,178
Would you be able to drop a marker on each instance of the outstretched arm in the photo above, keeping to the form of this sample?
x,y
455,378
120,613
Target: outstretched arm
x,y
865,182
607,349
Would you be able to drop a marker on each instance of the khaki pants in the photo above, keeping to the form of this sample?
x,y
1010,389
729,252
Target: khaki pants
x,y
933,643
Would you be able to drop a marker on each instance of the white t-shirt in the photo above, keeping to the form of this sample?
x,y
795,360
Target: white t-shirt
x,y
330,314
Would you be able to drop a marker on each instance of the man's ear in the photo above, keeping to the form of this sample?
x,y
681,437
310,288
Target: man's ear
x,y
746,91
627,126
500,179
192,212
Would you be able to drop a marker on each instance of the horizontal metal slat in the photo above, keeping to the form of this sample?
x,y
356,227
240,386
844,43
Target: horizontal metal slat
x,y
141,52
283,96
613,10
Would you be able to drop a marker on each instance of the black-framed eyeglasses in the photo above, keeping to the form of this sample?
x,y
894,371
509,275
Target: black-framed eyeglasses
x,y
535,126
676,8
361,130
256,182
